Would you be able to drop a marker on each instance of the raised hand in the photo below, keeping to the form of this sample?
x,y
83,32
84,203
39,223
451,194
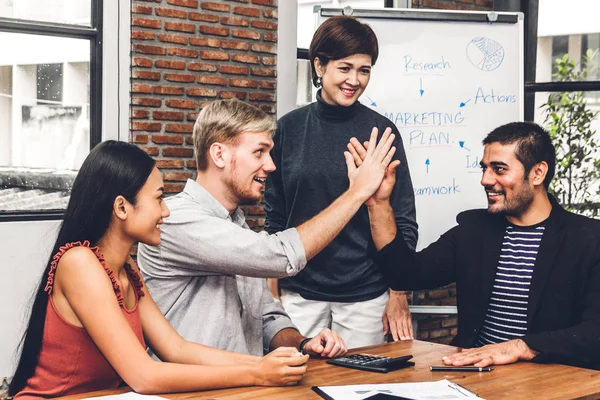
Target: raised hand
x,y
366,178
383,193
284,366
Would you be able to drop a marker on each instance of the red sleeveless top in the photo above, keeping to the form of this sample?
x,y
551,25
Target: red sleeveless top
x,y
69,361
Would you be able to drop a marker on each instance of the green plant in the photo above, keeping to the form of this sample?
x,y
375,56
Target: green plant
x,y
569,122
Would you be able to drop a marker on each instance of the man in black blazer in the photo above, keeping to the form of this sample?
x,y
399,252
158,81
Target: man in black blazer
x,y
527,272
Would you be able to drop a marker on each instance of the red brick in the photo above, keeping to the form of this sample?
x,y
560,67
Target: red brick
x,y
168,115
234,70
247,11
178,152
142,62
141,35
232,45
438,294
184,3
422,335
140,114
228,94
489,4
269,109
245,34
235,21
148,49
270,37
214,55
170,164
146,23
195,66
146,101
271,3
168,90
262,96
179,128
177,176
268,85
180,78
270,13
140,138
169,12
246,83
139,88
175,51
151,1
141,9
449,322
167,139
270,61
437,333
260,24
169,64
152,151
214,30
264,48
245,58
191,164
263,71
201,92
206,5
174,187
255,210
212,80
180,27
195,16
148,75
172,38
146,126
189,104
189,140
205,42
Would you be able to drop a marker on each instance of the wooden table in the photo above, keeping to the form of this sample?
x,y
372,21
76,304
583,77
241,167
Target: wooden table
x,y
516,381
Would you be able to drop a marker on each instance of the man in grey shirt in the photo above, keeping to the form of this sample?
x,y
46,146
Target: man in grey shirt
x,y
207,274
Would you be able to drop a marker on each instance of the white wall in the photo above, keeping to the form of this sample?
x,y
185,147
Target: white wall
x,y
25,246
24,250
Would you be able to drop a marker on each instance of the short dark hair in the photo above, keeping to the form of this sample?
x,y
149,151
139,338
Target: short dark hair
x,y
339,37
534,145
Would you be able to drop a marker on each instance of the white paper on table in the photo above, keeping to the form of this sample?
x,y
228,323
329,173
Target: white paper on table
x,y
126,396
440,390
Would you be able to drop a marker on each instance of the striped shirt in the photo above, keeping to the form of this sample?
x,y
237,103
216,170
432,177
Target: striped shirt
x,y
506,316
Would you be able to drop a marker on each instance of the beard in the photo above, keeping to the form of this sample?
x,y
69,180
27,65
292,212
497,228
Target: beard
x,y
520,202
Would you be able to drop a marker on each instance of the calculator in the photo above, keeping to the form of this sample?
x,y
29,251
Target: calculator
x,y
368,362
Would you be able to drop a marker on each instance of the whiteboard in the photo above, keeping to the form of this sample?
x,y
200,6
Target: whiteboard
x,y
445,79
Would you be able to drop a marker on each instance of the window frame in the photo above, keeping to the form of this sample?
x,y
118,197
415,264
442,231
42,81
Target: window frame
x,y
93,33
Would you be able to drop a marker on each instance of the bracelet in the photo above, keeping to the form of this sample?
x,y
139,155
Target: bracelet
x,y
303,344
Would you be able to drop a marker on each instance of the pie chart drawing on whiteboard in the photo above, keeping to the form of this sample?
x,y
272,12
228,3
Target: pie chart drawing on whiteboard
x,y
485,54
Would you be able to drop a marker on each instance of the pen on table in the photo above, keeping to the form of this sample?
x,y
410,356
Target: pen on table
x,y
461,369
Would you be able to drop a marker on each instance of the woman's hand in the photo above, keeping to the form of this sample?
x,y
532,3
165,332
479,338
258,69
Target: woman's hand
x,y
284,366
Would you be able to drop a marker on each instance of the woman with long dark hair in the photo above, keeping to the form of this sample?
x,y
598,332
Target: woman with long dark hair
x,y
341,288
93,317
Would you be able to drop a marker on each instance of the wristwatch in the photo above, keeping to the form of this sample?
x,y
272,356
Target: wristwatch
x,y
303,344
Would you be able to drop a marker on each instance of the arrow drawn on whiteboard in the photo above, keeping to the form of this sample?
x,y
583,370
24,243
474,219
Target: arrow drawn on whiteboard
x,y
427,162
461,143
372,102
421,86
464,103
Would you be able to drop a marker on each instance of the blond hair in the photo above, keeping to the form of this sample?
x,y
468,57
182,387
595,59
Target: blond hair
x,y
222,121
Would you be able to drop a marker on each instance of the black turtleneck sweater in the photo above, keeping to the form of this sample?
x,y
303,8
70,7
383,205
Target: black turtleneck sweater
x,y
311,173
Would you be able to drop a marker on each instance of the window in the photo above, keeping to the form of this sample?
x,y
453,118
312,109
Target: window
x,y
563,90
50,83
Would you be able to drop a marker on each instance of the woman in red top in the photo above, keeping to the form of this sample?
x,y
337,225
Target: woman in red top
x,y
92,316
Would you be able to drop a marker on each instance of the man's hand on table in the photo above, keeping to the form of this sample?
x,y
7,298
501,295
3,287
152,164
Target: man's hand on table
x,y
326,344
493,354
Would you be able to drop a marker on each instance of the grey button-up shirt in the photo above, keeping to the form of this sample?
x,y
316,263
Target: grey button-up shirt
x,y
207,274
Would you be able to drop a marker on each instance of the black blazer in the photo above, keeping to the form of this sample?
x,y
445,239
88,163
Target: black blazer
x,y
564,299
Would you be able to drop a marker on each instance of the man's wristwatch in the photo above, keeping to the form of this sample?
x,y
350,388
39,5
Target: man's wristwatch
x,y
303,344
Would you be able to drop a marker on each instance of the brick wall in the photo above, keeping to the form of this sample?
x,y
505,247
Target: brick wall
x,y
188,52
478,5
442,328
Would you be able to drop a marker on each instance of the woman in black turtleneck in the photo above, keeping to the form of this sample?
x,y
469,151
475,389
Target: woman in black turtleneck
x,y
340,288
